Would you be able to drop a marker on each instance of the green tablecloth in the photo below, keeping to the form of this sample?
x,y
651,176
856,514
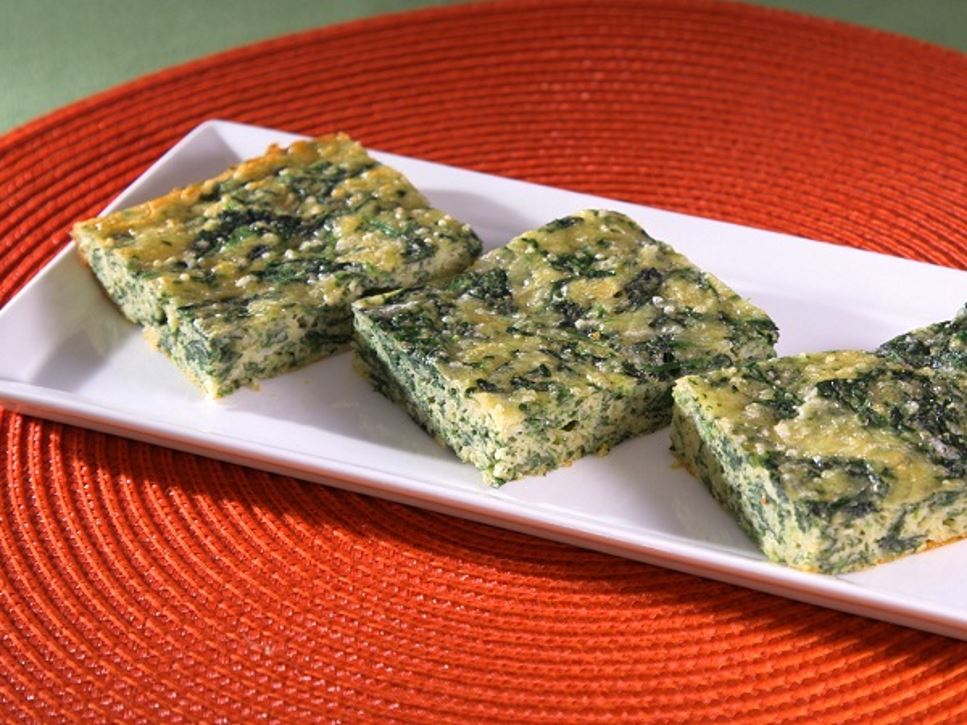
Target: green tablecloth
x,y
55,51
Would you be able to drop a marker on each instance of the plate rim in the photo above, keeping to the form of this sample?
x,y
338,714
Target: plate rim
x,y
708,561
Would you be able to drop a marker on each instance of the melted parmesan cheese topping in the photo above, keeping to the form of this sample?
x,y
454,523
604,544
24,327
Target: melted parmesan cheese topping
x,y
839,424
321,219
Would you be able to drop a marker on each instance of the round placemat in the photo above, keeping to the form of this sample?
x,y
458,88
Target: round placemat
x,y
141,583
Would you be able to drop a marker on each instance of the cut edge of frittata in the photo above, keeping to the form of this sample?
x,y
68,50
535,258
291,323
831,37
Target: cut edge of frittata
x,y
493,435
320,333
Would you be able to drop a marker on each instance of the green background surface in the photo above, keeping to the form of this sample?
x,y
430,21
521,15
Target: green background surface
x,y
55,51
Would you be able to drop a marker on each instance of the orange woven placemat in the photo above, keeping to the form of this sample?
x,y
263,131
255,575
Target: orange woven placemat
x,y
141,583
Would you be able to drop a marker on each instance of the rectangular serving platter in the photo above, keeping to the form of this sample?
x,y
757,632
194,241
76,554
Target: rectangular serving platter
x,y
68,355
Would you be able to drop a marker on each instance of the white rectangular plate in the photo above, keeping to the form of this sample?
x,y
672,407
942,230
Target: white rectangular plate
x,y
68,355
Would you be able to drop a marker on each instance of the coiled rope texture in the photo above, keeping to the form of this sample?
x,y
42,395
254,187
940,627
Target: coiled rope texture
x,y
142,583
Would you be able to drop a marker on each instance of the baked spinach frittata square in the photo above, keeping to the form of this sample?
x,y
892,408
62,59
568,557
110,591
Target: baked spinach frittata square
x,y
836,461
252,273
562,343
